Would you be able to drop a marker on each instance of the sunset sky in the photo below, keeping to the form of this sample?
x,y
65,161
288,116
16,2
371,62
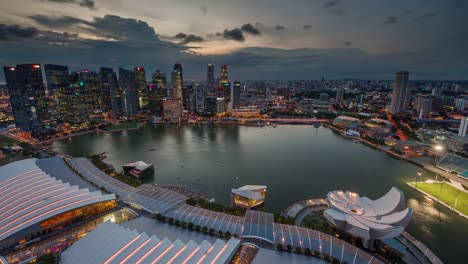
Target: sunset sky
x,y
262,39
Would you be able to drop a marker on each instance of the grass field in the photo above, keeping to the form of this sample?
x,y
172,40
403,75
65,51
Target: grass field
x,y
123,125
6,141
448,194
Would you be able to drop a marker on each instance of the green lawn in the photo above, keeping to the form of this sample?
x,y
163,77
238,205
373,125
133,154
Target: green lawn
x,y
123,125
6,141
447,195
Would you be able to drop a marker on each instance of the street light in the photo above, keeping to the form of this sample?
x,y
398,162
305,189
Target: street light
x,y
438,149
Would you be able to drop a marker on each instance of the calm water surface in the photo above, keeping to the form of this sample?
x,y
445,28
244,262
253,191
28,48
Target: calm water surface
x,y
295,162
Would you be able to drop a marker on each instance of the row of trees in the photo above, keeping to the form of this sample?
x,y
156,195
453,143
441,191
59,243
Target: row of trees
x,y
191,226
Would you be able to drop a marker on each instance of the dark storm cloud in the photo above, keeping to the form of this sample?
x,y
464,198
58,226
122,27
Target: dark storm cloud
x,y
180,36
409,12
305,27
280,27
248,28
16,32
191,38
234,34
84,3
390,20
55,22
331,4
120,28
348,43
424,17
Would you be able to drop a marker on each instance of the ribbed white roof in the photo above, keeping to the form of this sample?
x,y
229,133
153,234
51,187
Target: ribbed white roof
x,y
141,165
252,195
111,243
252,187
28,196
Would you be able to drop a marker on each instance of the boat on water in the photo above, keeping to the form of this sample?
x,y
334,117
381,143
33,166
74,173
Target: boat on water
x,y
152,149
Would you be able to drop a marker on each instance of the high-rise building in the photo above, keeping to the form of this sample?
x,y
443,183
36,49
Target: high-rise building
x,y
323,97
115,96
76,98
188,98
58,81
177,82
460,104
225,86
157,92
27,96
339,96
423,106
141,88
463,126
210,85
236,94
199,98
401,95
104,74
128,92
92,85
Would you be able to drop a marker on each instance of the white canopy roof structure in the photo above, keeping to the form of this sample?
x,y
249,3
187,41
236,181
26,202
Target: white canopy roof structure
x,y
111,243
28,196
140,165
383,218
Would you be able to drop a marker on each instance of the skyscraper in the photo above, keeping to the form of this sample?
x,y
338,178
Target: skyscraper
x,y
157,92
177,82
27,96
141,89
104,74
339,96
210,85
92,85
188,101
128,92
401,93
225,86
58,81
423,106
236,93
463,126
76,99
115,96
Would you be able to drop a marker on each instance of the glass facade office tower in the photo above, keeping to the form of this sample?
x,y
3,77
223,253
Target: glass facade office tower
x,y
76,99
58,81
210,85
27,96
157,92
401,95
236,94
104,73
128,92
177,82
225,87
92,85
141,88
115,96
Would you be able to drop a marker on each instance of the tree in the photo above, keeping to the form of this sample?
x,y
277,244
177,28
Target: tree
x,y
220,233
205,229
211,231
308,252
197,227
191,201
177,222
190,226
170,220
316,253
49,258
289,248
183,224
335,261
298,250
279,247
227,235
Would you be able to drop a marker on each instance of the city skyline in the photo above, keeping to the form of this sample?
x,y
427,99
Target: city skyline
x,y
307,40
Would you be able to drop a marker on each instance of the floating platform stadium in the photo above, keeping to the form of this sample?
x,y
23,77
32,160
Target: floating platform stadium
x,y
138,169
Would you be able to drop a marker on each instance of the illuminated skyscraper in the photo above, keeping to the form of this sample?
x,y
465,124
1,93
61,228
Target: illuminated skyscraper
x,y
401,93
128,92
177,82
225,86
58,81
115,96
141,89
236,93
210,85
92,85
27,96
104,74
76,99
157,92
339,96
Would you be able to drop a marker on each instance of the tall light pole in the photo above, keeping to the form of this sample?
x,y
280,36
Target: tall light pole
x,y
456,200
438,149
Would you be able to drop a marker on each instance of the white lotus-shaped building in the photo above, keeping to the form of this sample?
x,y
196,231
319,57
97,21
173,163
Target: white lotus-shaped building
x,y
362,217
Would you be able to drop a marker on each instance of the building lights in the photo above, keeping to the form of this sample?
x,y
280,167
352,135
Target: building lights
x,y
36,66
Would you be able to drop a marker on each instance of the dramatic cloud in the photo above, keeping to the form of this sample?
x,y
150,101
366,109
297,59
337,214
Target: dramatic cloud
x,y
409,12
390,20
333,7
16,32
348,43
204,9
188,38
84,3
57,22
248,28
279,27
424,17
306,27
234,34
